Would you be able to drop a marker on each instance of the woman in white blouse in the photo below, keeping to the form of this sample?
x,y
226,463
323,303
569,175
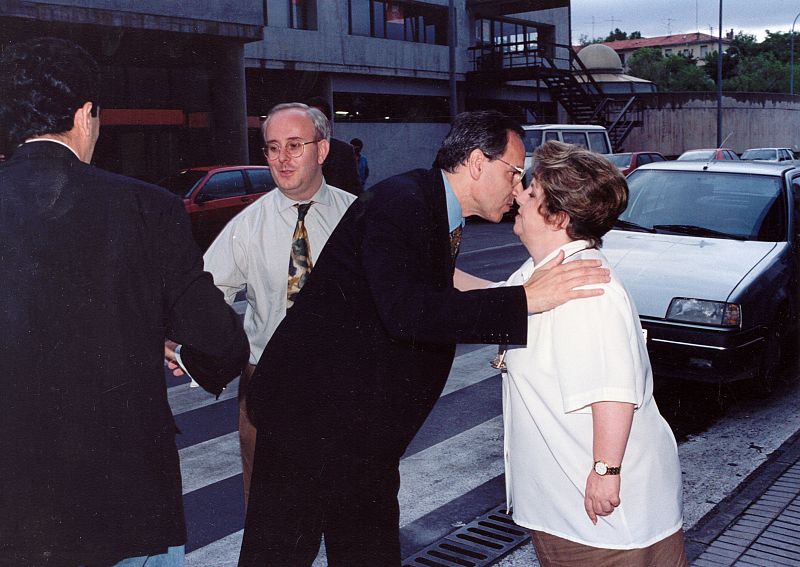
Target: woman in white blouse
x,y
591,466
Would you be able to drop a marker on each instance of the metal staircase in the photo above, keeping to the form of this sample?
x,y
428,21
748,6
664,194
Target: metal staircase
x,y
569,82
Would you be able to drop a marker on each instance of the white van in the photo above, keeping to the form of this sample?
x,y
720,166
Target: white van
x,y
589,136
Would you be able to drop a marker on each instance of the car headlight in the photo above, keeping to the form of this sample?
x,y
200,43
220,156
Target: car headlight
x,y
704,312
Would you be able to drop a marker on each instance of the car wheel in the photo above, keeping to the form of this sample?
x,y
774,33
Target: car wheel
x,y
774,358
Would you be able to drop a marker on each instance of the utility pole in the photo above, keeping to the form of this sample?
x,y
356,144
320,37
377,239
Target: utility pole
x,y
791,57
451,42
719,80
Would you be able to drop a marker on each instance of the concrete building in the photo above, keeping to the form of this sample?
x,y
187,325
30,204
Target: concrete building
x,y
696,45
186,82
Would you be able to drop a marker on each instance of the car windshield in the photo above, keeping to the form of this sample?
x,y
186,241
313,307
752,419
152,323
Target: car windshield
x,y
697,155
738,206
760,154
181,184
620,160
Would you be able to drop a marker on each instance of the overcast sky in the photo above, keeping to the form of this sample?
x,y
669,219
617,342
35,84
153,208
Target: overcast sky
x,y
662,17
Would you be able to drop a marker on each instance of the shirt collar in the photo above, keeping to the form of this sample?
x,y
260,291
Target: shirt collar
x,y
569,249
321,197
455,217
30,140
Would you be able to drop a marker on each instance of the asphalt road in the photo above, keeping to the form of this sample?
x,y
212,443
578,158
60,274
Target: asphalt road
x,y
452,472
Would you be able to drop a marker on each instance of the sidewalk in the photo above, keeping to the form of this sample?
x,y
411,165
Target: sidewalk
x,y
759,524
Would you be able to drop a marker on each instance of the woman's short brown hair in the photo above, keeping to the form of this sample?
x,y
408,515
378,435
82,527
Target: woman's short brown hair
x,y
582,184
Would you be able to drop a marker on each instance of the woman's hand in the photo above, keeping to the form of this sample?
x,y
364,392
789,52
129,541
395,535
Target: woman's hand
x,y
602,495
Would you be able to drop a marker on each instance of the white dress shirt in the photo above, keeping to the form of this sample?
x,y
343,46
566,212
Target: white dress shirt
x,y
252,253
585,351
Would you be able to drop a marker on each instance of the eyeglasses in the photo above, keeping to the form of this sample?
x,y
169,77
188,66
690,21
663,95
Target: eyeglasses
x,y
519,174
293,149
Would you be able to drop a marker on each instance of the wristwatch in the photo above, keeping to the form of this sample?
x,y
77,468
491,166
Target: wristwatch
x,y
602,468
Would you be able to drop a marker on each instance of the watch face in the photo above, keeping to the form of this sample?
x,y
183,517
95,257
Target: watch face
x,y
600,468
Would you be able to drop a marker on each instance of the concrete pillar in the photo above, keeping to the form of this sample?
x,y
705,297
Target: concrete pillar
x,y
229,106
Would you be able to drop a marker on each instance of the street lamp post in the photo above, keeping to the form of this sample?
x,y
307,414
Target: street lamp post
x,y
791,57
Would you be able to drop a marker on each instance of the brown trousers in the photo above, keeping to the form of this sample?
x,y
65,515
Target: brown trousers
x,y
247,433
554,551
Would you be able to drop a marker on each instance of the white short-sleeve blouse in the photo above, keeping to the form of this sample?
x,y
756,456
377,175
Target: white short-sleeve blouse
x,y
585,351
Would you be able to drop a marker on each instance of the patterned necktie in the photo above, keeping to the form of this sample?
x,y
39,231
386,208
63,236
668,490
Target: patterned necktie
x,y
455,242
300,258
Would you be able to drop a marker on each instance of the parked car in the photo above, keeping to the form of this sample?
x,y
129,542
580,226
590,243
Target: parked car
x,y
628,161
776,155
214,195
719,154
710,253
590,136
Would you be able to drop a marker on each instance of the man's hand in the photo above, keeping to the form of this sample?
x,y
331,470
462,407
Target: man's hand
x,y
602,495
170,360
555,283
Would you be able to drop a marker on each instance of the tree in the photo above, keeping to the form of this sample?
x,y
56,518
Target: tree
x,y
616,35
762,73
671,73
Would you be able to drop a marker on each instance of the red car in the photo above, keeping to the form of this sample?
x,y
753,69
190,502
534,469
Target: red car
x,y
214,195
628,161
718,154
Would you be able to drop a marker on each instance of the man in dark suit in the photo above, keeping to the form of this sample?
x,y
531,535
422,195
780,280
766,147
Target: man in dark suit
x,y
97,270
357,364
341,167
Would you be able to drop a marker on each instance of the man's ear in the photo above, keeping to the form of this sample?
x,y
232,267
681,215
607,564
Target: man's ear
x,y
475,163
323,147
82,121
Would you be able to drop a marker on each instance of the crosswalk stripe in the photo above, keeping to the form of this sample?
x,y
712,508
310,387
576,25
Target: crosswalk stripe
x,y
433,477
210,461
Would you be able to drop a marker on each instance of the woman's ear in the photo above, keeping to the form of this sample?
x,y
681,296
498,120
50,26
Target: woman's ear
x,y
561,220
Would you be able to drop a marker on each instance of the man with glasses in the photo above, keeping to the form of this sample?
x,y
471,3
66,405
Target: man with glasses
x,y
359,361
270,247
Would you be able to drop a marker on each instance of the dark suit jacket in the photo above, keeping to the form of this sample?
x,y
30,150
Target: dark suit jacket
x,y
341,168
358,362
96,270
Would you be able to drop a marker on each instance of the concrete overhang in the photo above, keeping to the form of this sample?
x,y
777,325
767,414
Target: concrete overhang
x,y
246,29
491,8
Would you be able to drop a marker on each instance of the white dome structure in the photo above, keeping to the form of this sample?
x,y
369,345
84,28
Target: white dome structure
x,y
605,66
599,58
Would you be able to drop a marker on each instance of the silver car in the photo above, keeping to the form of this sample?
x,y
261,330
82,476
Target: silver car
x,y
709,252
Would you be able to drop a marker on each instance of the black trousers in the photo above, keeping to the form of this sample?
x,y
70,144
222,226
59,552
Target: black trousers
x,y
351,499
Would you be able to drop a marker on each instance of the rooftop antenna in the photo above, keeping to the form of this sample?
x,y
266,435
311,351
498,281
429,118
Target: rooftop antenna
x,y
696,17
669,25
612,19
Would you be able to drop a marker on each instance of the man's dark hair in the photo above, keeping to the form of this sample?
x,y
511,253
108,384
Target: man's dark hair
x,y
42,83
322,104
485,130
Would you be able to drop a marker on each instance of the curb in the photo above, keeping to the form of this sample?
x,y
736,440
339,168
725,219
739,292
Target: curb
x,y
726,512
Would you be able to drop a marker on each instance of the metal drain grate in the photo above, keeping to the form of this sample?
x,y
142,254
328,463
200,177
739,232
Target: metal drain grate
x,y
479,543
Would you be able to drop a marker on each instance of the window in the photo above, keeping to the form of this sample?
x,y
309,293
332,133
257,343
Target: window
x,y
643,159
223,185
667,52
295,14
367,107
598,143
261,180
578,138
404,21
703,50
